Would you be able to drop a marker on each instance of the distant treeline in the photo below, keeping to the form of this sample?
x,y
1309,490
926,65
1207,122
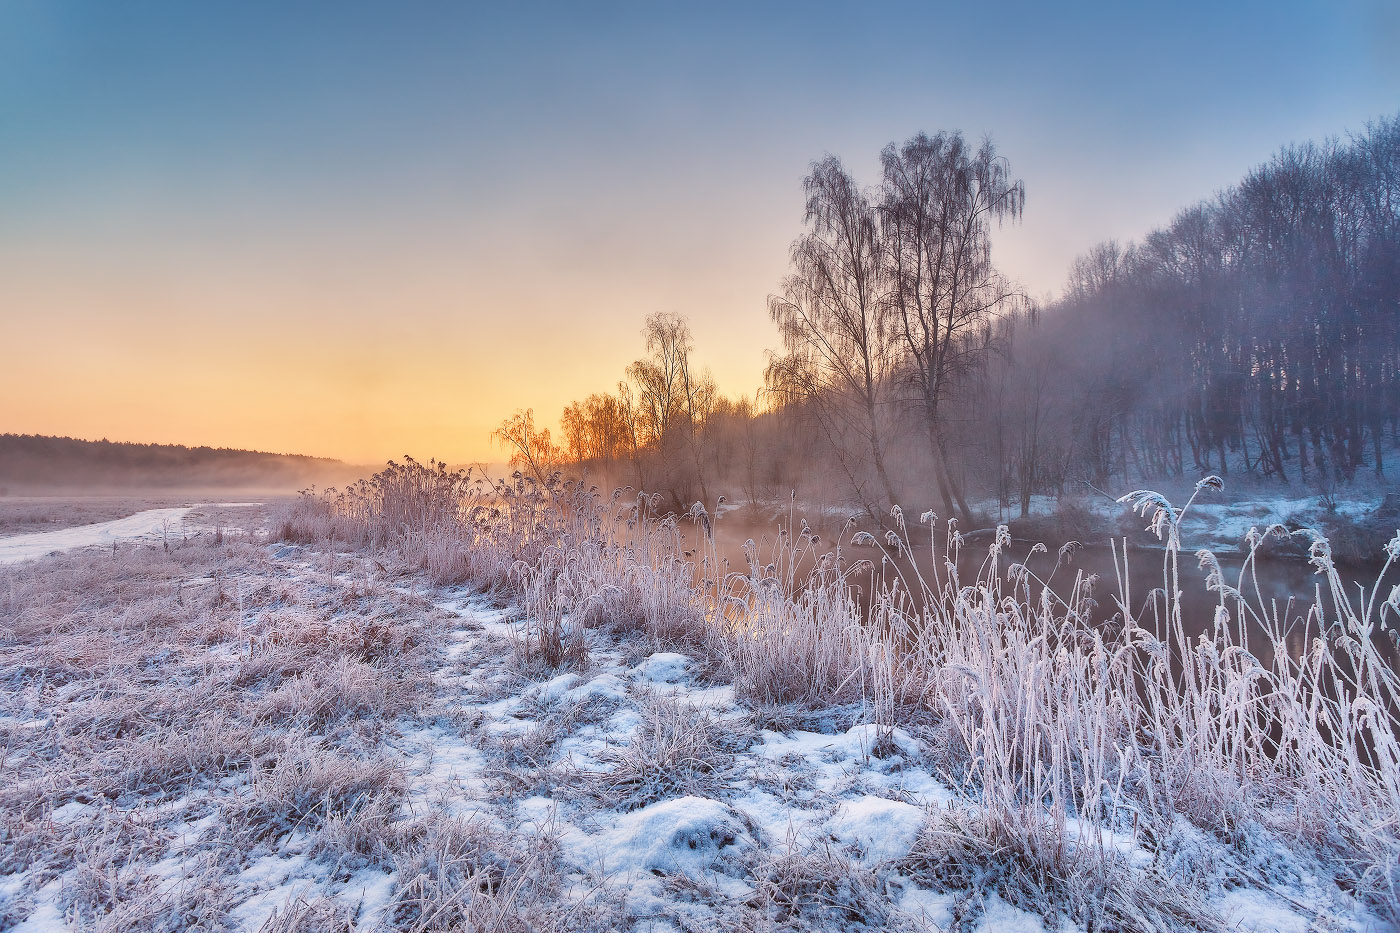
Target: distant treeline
x,y
31,463
1258,333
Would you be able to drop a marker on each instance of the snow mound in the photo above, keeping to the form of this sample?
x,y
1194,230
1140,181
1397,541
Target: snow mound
x,y
664,667
1256,911
686,836
933,909
552,690
883,829
606,686
1000,917
870,741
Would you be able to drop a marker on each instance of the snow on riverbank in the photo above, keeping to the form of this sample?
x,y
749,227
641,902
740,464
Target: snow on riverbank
x,y
1219,521
150,524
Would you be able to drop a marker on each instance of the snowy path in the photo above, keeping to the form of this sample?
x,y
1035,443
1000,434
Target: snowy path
x,y
147,524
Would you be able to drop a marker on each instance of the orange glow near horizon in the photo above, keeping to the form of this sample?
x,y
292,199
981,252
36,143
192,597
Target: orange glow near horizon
x,y
349,358
348,232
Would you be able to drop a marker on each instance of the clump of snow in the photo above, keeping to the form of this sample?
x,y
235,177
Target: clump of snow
x,y
1257,912
865,742
1001,917
536,812
883,830
684,836
664,667
933,909
868,740
605,686
373,888
551,690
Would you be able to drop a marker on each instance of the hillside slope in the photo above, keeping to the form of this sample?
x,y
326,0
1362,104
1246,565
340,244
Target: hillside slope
x,y
34,464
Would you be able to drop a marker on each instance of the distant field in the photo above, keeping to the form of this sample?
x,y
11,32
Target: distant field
x,y
237,515
22,515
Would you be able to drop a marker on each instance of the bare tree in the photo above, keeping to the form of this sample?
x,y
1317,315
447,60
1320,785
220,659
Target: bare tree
x,y
673,402
530,446
939,202
597,431
834,317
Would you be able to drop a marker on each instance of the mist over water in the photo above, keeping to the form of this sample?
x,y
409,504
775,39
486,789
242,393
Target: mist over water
x,y
1284,584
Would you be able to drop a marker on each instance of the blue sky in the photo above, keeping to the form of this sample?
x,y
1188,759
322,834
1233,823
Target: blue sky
x,y
377,202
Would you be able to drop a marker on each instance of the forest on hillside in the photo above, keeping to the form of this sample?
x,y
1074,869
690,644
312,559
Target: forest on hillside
x,y
33,464
1257,333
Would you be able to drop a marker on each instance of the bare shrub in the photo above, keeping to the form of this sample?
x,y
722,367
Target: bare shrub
x,y
1072,520
611,562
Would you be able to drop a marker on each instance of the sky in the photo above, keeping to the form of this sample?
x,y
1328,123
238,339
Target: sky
x,y
360,230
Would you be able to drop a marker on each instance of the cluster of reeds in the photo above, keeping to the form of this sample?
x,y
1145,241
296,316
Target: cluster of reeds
x,y
1071,740
1082,739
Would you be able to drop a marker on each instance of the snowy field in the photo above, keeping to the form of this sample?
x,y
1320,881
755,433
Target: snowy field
x,y
244,734
30,514
145,525
163,524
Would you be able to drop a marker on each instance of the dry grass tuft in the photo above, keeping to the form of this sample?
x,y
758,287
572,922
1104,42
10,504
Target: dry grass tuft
x,y
306,790
317,915
467,874
1093,888
817,888
678,749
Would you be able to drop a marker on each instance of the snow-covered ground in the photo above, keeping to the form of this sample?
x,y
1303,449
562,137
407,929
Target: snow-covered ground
x,y
633,793
1222,526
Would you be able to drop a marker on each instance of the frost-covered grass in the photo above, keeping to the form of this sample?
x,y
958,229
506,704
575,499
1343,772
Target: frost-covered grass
x,y
451,705
212,735
1057,735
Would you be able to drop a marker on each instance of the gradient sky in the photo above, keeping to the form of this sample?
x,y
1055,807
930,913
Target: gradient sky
x,y
360,230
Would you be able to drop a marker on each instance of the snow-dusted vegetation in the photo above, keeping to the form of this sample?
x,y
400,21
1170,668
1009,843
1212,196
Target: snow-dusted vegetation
x,y
440,703
918,566
1254,336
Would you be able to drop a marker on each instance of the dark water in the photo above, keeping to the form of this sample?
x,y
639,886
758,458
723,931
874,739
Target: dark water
x,y
1283,587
